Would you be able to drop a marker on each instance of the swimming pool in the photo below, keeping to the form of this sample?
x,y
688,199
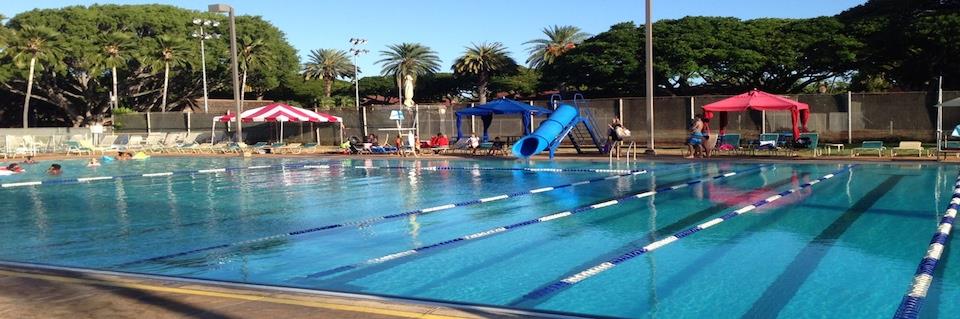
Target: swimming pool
x,y
845,247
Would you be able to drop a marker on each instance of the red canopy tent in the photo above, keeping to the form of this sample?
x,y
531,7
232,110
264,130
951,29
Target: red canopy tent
x,y
278,112
761,101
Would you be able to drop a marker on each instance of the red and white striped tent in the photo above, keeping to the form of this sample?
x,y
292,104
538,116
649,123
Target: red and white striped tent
x,y
278,112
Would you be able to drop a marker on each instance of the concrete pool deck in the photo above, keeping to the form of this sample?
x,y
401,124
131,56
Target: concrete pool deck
x,y
30,291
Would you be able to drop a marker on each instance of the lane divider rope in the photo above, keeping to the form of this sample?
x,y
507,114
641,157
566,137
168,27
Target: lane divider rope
x,y
68,181
392,216
910,304
595,270
542,219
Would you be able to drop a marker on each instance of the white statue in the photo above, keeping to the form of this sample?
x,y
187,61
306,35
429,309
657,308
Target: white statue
x,y
408,90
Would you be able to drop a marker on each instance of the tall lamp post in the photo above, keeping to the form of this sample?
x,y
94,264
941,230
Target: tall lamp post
x,y
357,51
200,34
649,43
223,8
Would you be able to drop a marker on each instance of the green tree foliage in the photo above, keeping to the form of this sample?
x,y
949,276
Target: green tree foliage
x,y
907,44
481,61
413,59
328,65
696,55
172,52
78,93
33,47
607,64
524,83
559,40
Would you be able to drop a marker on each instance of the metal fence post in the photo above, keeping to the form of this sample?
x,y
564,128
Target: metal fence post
x,y
620,109
148,123
188,123
849,117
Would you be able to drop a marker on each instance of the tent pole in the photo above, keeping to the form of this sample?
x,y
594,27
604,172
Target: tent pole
x,y
473,125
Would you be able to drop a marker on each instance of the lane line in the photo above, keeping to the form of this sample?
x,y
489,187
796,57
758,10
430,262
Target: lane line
x,y
380,218
593,271
503,229
310,165
912,302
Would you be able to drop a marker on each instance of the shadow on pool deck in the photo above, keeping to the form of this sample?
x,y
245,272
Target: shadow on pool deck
x,y
27,292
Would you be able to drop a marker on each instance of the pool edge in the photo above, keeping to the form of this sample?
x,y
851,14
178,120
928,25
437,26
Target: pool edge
x,y
321,300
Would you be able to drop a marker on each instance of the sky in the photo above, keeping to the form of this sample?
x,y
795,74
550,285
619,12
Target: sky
x,y
447,26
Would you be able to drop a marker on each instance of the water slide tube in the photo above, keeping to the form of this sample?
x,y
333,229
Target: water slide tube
x,y
548,131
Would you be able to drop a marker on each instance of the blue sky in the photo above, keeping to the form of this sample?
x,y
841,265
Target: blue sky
x,y
449,25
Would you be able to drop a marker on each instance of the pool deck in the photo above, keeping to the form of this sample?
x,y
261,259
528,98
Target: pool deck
x,y
28,291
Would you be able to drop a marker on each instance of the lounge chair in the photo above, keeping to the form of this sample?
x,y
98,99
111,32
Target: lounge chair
x,y
908,146
869,146
949,147
134,142
76,147
383,149
461,145
293,148
728,143
767,142
813,142
310,148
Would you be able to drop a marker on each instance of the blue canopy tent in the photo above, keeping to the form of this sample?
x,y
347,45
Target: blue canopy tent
x,y
500,106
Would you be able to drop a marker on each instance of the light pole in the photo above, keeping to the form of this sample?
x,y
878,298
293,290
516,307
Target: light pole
x,y
203,56
357,51
223,8
649,43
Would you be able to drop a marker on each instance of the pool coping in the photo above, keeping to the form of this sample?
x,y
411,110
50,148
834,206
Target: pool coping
x,y
358,303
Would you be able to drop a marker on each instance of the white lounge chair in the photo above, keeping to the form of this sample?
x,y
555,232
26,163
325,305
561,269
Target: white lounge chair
x,y
909,146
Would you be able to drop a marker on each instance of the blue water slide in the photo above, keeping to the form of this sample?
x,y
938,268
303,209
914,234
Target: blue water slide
x,y
549,131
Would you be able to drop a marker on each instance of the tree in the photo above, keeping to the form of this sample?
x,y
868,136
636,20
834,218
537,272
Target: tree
x,y
29,46
328,65
411,59
607,64
79,92
482,61
559,40
114,46
906,44
252,54
525,83
171,52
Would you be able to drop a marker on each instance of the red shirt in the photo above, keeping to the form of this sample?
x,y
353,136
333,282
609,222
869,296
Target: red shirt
x,y
443,141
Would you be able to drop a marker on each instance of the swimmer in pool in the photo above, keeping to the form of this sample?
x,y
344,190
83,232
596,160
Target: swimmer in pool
x,y
54,170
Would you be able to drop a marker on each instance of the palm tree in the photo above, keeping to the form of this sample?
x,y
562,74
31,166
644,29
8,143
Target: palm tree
x,y
29,46
411,59
115,46
327,65
253,53
483,61
171,51
560,39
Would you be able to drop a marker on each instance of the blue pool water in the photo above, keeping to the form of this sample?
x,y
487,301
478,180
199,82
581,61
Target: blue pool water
x,y
843,248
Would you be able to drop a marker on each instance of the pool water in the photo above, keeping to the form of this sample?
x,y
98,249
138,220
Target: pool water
x,y
843,248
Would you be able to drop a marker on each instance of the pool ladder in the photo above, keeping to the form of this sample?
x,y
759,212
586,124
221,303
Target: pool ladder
x,y
631,155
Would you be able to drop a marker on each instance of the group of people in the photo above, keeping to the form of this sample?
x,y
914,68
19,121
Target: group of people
x,y
57,169
17,168
698,143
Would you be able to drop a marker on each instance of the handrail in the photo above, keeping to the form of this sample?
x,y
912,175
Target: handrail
x,y
555,100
